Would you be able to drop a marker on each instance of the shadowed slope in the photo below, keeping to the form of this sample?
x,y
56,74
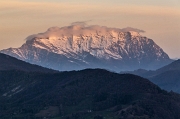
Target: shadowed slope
x,y
167,77
84,94
11,63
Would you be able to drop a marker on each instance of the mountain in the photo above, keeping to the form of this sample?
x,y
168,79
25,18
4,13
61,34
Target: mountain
x,y
78,47
167,77
169,80
11,63
86,94
170,67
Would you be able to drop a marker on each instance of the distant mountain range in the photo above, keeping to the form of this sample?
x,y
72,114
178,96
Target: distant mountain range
x,y
167,77
10,63
78,47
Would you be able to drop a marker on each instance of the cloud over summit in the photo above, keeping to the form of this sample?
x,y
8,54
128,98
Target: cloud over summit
x,y
80,23
80,28
132,29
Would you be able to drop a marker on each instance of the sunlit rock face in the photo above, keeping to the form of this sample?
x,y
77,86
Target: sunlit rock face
x,y
78,47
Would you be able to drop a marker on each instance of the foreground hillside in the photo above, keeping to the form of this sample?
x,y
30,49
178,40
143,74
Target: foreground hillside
x,y
86,94
10,63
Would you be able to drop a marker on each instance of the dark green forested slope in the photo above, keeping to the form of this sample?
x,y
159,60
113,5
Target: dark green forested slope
x,y
86,94
11,63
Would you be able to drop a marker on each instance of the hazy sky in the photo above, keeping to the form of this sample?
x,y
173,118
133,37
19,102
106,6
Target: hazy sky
x,y
160,19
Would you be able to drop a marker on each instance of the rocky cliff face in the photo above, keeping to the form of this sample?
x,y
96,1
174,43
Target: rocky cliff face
x,y
78,47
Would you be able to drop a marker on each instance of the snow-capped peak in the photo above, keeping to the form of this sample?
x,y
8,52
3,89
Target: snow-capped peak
x,y
91,45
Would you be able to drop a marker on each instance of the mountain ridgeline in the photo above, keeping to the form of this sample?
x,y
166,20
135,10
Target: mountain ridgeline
x,y
167,77
78,47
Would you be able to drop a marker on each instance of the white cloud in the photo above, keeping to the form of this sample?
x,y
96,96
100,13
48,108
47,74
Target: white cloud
x,y
78,28
132,29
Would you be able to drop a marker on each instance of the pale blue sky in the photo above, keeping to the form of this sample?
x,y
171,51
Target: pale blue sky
x,y
159,18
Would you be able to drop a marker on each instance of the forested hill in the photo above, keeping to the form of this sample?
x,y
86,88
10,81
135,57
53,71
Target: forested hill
x,y
11,63
86,94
